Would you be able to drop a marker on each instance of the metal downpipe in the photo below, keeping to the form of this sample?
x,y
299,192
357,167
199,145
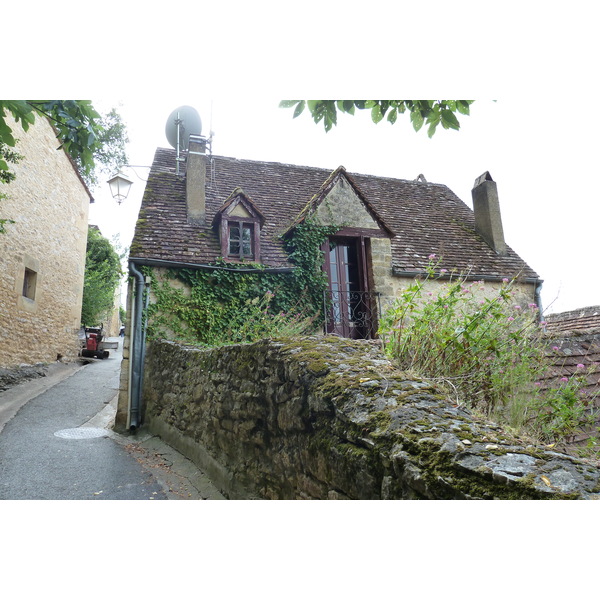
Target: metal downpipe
x,y
136,350
538,300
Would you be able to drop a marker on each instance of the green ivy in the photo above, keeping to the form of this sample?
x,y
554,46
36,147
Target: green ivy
x,y
6,176
222,306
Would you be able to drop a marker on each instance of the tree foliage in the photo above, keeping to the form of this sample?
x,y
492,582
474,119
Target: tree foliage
x,y
109,153
102,275
422,112
89,138
6,176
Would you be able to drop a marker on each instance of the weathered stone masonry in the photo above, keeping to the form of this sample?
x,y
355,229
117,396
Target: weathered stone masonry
x,y
328,417
49,205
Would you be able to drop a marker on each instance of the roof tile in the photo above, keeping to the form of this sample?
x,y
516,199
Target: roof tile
x,y
425,218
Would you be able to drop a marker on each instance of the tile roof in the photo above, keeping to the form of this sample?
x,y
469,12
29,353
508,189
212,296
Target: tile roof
x,y
574,339
565,360
425,218
575,320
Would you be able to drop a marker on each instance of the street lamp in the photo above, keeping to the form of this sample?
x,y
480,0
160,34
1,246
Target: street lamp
x,y
119,186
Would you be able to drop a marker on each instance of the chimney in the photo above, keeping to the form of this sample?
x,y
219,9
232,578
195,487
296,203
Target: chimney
x,y
488,221
195,180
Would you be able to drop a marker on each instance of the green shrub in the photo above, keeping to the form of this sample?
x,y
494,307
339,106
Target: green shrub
x,y
212,315
486,350
244,302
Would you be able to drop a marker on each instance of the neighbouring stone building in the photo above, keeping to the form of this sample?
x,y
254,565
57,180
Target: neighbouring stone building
x,y
42,254
573,350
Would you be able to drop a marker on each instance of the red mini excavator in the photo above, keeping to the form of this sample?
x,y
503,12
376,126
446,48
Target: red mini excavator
x,y
94,346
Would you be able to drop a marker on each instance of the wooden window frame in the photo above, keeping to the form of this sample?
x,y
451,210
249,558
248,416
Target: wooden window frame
x,y
226,224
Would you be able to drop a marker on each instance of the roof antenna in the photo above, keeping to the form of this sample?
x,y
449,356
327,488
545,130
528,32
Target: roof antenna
x,y
182,122
212,160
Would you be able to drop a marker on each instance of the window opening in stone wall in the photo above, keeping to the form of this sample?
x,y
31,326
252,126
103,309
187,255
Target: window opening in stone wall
x,y
29,284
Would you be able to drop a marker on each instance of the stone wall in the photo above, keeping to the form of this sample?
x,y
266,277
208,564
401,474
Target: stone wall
x,y
330,418
49,204
391,286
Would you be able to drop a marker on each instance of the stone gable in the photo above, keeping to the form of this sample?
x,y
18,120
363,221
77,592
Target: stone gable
x,y
343,206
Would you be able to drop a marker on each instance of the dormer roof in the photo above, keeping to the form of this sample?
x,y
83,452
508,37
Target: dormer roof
x,y
239,204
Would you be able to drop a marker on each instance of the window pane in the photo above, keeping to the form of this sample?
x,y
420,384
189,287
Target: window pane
x,y
247,240
241,239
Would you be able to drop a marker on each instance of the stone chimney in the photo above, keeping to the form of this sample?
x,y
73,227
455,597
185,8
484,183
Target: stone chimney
x,y
488,221
195,180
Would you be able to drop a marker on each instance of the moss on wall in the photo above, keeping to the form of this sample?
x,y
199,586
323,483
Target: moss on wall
x,y
328,417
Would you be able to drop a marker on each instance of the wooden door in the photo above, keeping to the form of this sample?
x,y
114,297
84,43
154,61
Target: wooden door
x,y
347,286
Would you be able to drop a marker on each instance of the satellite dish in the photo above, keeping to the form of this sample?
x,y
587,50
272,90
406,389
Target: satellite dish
x,y
182,122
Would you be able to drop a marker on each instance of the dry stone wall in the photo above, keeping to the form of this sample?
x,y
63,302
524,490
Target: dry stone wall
x,y
330,418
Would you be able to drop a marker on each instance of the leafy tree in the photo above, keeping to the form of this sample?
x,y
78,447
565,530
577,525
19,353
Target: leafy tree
x,y
90,138
109,153
95,142
102,276
422,112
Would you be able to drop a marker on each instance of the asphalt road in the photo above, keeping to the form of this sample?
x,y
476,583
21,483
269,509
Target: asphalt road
x,y
56,444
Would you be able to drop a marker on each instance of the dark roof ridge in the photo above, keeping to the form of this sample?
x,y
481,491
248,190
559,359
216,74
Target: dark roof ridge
x,y
576,312
412,181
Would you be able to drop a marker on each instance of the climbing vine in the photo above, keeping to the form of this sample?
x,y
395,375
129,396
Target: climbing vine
x,y
243,302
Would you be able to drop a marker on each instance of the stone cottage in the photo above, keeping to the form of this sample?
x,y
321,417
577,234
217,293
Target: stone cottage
x,y
221,213
42,254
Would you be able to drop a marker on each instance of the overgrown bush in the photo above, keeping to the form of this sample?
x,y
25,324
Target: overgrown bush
x,y
244,302
565,408
486,350
201,319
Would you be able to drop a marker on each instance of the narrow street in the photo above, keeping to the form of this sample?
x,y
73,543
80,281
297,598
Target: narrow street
x,y
56,443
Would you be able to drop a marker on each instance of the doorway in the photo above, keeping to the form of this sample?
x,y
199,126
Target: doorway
x,y
347,302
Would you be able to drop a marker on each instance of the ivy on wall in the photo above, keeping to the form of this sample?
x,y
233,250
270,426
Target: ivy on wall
x,y
220,306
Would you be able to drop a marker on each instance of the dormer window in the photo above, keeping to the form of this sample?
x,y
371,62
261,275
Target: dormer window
x,y
239,222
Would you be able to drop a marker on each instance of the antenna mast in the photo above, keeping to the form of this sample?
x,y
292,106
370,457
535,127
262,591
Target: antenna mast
x,y
182,122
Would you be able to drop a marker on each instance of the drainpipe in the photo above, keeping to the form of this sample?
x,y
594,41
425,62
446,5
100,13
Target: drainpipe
x,y
137,350
538,300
